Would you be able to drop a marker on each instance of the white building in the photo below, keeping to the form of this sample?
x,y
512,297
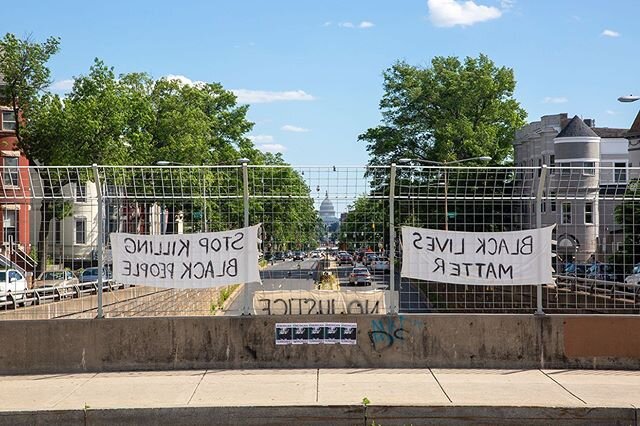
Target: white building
x,y
588,165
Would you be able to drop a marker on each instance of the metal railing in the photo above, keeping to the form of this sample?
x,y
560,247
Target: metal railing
x,y
63,217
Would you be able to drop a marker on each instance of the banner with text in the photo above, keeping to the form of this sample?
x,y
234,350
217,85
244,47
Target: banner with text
x,y
208,259
314,302
477,258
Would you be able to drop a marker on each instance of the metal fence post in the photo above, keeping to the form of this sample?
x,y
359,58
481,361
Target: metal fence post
x,y
100,249
245,195
393,295
539,193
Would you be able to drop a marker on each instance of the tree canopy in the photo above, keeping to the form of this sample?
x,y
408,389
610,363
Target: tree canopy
x,y
25,74
449,111
132,119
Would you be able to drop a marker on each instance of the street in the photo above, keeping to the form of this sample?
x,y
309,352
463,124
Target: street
x,y
302,275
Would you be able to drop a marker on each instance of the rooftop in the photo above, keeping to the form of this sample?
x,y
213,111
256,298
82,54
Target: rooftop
x,y
577,128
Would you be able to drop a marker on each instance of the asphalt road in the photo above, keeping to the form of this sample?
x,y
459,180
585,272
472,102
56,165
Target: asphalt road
x,y
301,275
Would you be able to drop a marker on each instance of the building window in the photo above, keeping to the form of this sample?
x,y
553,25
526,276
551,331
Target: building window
x,y
588,213
552,163
8,120
81,230
565,169
10,226
589,168
543,206
620,172
553,201
10,171
80,194
57,231
566,213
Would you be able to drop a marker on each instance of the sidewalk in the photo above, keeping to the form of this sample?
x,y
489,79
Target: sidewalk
x,y
402,396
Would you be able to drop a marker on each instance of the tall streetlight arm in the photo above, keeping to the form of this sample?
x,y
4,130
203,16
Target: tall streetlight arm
x,y
442,163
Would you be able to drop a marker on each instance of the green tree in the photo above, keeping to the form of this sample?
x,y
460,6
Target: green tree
x,y
23,67
366,224
451,110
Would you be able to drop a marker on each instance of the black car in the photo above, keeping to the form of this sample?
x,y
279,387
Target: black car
x,y
298,255
278,256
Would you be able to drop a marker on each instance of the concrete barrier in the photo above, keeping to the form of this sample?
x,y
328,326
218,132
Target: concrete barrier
x,y
407,341
334,415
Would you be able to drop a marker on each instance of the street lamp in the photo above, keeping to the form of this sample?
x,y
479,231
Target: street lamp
x,y
630,98
446,179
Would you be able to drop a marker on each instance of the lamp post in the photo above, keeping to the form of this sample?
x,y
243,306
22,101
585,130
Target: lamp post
x,y
446,178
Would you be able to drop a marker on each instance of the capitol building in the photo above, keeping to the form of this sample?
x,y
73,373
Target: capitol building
x,y
328,212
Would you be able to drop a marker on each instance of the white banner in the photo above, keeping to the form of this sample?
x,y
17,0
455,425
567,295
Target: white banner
x,y
477,258
201,260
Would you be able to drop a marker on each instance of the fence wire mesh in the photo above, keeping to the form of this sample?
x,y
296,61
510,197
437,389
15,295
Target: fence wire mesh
x,y
332,228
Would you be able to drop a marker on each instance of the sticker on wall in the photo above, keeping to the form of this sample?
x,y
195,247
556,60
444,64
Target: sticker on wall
x,y
316,333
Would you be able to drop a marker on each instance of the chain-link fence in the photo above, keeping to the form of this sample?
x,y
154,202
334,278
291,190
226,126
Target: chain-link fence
x,y
329,241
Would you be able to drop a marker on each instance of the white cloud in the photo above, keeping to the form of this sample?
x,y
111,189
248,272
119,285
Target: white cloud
x,y
262,96
361,25
295,129
272,147
611,112
62,85
449,13
507,4
327,24
260,138
184,80
555,100
610,33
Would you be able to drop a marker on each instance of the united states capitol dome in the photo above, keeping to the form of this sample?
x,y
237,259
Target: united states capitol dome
x,y
328,211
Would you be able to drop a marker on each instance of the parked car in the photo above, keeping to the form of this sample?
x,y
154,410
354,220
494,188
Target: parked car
x,y
56,278
360,276
380,263
601,271
12,282
299,255
90,275
634,278
278,256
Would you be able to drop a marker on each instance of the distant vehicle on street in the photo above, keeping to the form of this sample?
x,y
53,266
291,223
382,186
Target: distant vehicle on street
x,y
12,282
278,256
360,277
345,259
299,255
90,275
380,263
56,278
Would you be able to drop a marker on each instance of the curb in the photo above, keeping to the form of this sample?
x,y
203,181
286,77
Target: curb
x,y
335,415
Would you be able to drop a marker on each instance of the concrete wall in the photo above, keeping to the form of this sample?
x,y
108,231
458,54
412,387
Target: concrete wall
x,y
455,341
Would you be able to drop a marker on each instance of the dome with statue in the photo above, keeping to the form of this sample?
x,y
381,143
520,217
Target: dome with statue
x,y
328,211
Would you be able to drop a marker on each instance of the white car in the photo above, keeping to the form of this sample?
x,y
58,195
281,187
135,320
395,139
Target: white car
x,y
634,278
12,282
380,263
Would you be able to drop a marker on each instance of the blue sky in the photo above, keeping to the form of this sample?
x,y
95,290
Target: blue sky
x,y
312,71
